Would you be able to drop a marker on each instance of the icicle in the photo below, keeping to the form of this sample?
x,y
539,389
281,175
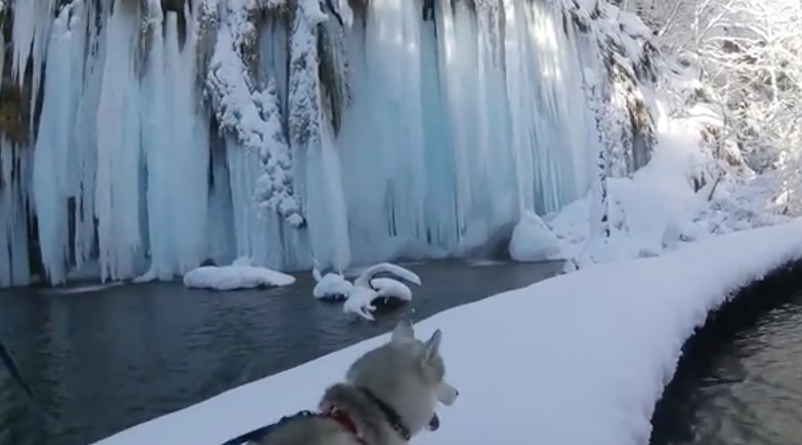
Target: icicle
x,y
30,34
117,190
93,44
2,40
23,32
40,49
174,137
52,153
14,163
190,150
309,134
346,13
222,242
157,148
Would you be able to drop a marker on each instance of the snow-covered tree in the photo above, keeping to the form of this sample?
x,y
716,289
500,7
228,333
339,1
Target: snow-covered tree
x,y
748,54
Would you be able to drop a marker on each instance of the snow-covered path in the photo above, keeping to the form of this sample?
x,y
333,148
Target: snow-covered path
x,y
574,360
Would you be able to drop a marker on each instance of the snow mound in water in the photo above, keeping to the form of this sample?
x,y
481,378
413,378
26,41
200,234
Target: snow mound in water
x,y
360,302
391,288
368,289
533,240
236,276
360,299
332,286
606,373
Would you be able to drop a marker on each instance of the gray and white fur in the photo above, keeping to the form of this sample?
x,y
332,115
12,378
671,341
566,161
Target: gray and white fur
x,y
406,374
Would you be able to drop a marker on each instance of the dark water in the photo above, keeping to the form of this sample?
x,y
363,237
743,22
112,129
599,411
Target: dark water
x,y
743,384
105,359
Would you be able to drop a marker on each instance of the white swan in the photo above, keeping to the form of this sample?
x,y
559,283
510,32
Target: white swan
x,y
367,289
330,286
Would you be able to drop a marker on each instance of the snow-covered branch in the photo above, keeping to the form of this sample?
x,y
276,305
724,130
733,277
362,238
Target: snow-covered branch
x,y
304,84
748,53
249,114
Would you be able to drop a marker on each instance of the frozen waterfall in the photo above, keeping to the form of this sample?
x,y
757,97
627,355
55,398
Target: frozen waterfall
x,y
448,130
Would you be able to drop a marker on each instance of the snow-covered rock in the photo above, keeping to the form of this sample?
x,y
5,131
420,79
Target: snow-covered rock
x,y
332,286
533,240
235,276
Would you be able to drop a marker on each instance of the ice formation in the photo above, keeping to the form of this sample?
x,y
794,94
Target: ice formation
x,y
15,197
391,288
368,288
177,203
167,138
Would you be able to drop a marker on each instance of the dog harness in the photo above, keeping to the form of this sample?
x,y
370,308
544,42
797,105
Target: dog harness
x,y
335,413
342,417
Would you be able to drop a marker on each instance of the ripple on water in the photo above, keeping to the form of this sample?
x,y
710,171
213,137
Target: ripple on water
x,y
107,358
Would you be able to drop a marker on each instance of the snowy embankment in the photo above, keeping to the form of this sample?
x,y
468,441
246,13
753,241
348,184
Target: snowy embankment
x,y
577,359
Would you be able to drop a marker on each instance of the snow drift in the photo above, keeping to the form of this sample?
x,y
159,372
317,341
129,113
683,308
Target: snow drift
x,y
533,240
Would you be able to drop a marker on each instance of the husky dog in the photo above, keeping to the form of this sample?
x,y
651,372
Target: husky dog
x,y
389,395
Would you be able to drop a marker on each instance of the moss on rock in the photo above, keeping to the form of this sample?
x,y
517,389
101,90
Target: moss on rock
x,y
15,112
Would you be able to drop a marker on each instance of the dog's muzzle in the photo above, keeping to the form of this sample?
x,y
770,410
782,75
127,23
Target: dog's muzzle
x,y
447,395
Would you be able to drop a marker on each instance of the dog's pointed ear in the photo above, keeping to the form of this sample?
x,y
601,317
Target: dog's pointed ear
x,y
403,330
432,346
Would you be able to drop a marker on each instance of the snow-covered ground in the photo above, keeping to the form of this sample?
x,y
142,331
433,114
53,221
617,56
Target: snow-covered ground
x,y
659,208
574,360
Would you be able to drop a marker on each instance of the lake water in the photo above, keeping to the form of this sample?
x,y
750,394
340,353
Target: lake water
x,y
104,358
741,383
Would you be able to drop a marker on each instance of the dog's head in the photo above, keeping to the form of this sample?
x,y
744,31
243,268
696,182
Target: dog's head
x,y
409,374
432,365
